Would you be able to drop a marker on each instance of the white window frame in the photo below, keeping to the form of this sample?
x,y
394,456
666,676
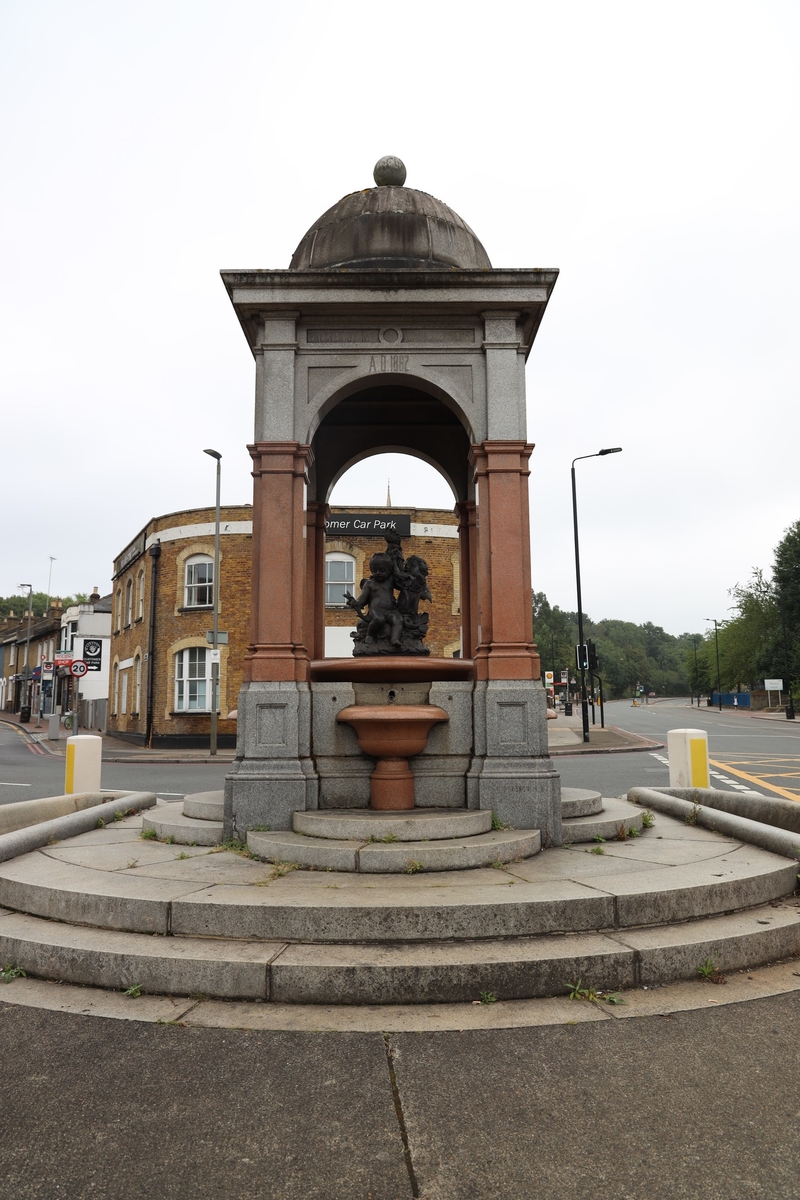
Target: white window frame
x,y
118,611
140,598
189,684
115,690
339,556
191,586
128,603
137,684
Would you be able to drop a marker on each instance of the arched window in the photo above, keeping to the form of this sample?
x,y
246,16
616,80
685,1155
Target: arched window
x,y
340,577
199,590
118,613
140,597
129,603
192,679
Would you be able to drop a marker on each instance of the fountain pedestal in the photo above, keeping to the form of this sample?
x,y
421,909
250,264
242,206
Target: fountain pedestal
x,y
392,733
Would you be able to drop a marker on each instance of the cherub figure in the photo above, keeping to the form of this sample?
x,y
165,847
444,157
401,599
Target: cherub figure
x,y
414,586
377,593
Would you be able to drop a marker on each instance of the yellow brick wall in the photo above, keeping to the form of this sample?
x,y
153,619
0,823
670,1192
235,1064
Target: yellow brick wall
x,y
177,627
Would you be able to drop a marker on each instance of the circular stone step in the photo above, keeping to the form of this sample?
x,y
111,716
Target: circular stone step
x,y
169,824
616,815
206,806
396,858
580,802
416,825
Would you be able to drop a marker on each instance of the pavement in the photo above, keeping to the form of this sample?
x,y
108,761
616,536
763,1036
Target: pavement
x,y
674,1104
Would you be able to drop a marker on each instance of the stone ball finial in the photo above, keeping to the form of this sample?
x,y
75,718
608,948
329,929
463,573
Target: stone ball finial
x,y
389,171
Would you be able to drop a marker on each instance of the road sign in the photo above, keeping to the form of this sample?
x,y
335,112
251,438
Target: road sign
x,y
47,668
78,668
773,685
548,678
564,676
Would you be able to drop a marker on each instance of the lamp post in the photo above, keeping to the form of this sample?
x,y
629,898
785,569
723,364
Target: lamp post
x,y
214,643
582,664
696,690
787,662
719,677
28,643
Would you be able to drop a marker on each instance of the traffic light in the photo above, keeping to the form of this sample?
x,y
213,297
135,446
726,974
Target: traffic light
x,y
582,657
592,655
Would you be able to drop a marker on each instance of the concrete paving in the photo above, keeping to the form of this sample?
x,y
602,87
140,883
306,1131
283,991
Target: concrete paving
x,y
685,1103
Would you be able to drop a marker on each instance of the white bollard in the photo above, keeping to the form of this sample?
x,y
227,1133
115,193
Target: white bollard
x,y
688,758
84,760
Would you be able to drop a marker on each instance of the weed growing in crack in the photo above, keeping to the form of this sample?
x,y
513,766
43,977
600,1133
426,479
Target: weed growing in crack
x,y
648,820
11,971
134,991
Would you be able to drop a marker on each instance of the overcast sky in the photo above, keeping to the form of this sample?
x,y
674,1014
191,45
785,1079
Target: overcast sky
x,y
649,151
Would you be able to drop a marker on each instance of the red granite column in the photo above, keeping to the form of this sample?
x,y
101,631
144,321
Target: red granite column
x,y
468,563
315,578
506,649
277,626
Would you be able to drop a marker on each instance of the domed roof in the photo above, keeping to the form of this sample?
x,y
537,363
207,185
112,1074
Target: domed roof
x,y
389,226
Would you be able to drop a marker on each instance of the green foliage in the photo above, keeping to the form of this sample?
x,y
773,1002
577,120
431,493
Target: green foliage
x,y
487,998
149,835
11,971
413,867
39,603
134,991
629,654
648,820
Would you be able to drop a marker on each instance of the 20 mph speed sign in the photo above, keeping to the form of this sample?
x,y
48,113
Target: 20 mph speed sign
x,y
78,668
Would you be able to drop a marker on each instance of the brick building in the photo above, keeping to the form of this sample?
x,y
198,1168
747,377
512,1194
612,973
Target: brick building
x,y
160,679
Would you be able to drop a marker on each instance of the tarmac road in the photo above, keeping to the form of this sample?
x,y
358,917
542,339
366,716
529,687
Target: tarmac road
x,y
746,752
28,772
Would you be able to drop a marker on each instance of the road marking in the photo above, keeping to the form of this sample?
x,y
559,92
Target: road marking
x,y
16,785
739,787
762,783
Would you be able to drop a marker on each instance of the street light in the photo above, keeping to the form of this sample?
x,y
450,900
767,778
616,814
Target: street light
x,y
719,677
28,644
214,644
581,642
696,688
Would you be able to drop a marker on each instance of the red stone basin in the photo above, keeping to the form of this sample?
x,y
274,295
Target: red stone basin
x,y
392,733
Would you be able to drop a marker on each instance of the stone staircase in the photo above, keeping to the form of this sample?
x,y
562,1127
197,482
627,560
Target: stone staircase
x,y
630,911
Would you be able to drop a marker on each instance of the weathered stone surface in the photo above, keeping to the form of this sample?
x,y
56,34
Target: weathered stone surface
x,y
102,958
453,854
579,802
284,846
206,806
731,942
615,815
168,821
410,826
446,973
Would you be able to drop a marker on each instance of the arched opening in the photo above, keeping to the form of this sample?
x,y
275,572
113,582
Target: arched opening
x,y
422,501
389,417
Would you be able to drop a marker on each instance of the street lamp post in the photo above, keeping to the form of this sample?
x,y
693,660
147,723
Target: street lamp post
x,y
696,690
215,635
28,643
787,663
582,665
719,676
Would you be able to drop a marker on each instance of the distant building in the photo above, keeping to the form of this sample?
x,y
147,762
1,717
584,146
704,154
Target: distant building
x,y
23,648
86,634
159,689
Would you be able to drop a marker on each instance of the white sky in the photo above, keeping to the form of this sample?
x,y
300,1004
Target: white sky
x,y
647,150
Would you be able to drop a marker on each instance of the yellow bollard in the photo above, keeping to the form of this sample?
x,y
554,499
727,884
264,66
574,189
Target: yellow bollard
x,y
84,761
688,758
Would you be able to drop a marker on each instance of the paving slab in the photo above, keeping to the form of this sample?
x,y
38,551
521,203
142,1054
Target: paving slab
x,y
678,1108
114,857
122,1109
